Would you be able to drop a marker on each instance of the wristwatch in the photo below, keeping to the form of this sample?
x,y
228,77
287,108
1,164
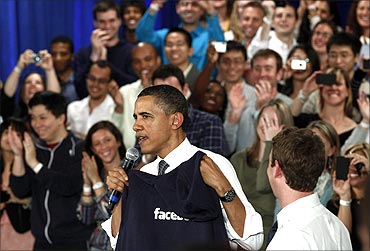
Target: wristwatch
x,y
228,196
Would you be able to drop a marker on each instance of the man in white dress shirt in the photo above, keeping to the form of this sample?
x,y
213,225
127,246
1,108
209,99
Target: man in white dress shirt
x,y
160,114
297,160
97,106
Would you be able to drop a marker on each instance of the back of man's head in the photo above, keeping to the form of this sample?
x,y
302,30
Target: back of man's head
x,y
104,6
345,39
168,70
168,98
53,102
301,157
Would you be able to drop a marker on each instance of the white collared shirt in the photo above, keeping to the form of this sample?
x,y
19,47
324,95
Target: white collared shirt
x,y
79,117
253,230
306,224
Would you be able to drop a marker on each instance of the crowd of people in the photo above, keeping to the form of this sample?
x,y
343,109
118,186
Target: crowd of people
x,y
245,115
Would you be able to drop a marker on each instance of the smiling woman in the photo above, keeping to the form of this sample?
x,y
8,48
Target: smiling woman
x,y
104,151
214,100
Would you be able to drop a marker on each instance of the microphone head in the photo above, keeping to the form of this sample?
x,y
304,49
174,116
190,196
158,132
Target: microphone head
x,y
132,154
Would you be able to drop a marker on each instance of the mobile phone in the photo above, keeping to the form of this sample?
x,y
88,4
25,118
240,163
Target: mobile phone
x,y
342,168
365,51
366,64
326,79
219,46
298,64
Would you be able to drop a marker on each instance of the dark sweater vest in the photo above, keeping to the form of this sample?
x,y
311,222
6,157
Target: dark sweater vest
x,y
175,211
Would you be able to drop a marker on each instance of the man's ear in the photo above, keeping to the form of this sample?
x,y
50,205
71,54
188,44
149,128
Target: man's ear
x,y
279,74
62,119
177,120
277,172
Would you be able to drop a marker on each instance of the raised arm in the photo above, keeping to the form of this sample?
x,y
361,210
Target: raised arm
x,y
12,81
52,83
309,86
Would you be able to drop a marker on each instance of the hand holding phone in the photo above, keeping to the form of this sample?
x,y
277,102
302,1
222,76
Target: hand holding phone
x,y
219,46
342,168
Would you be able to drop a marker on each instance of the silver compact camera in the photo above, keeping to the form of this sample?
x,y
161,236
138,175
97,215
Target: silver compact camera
x,y
36,57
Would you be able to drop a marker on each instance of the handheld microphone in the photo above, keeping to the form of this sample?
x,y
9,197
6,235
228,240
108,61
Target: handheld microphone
x,y
132,154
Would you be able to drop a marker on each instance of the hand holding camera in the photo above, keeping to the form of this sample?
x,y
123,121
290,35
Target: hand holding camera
x,y
99,39
310,84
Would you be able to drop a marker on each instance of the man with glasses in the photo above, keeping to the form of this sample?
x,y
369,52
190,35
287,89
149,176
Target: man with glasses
x,y
97,106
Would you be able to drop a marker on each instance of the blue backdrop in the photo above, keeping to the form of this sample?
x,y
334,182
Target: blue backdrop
x,y
33,23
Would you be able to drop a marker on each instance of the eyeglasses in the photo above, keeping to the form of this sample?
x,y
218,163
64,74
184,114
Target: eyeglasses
x,y
178,44
98,80
323,34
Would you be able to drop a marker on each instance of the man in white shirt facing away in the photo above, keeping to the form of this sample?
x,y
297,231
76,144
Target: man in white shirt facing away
x,y
297,160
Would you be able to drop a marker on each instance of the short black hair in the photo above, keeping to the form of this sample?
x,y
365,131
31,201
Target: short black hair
x,y
184,32
168,98
345,39
103,64
235,46
65,40
133,3
105,5
53,102
169,70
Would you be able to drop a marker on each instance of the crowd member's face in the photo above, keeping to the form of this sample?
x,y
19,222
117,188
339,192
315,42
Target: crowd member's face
x,y
266,69
336,94
341,56
251,19
329,150
105,146
284,20
177,49
33,84
240,5
62,56
217,4
320,37
172,81
363,14
231,66
45,124
214,98
301,74
97,82
144,61
189,11
152,126
109,22
323,10
131,17
4,143
355,180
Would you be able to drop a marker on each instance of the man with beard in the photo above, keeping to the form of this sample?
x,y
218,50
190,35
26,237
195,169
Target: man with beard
x,y
190,12
105,45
